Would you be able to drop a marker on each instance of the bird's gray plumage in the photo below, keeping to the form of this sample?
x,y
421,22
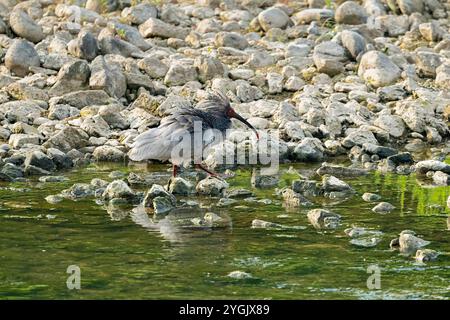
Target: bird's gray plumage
x,y
158,143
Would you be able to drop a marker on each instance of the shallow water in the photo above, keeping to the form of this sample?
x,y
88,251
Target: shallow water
x,y
128,255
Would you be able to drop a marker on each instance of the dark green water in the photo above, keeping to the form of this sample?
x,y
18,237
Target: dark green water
x,y
132,258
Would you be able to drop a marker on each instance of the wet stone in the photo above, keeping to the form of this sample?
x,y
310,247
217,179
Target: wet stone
x,y
383,207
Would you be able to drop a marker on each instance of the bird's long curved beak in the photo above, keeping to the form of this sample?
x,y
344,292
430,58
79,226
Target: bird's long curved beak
x,y
237,116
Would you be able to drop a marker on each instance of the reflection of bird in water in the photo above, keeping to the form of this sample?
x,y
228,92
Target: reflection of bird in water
x,y
213,113
173,227
164,226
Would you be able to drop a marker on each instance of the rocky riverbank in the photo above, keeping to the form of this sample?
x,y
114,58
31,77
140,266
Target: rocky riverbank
x,y
80,79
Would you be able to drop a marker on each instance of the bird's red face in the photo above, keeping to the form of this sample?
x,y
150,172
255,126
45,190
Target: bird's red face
x,y
233,114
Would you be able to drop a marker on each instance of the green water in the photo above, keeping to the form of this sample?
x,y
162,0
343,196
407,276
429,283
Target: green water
x,y
126,256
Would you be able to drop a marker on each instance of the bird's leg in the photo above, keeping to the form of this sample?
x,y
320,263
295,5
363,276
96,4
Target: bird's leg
x,y
174,170
211,173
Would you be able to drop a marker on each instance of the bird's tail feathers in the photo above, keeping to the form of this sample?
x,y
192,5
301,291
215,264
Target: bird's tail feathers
x,y
149,145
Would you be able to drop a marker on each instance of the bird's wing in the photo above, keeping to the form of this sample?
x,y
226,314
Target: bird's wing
x,y
158,143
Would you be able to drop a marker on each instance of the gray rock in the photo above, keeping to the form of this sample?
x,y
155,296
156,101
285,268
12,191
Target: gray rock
x,y
111,114
393,25
10,171
308,188
350,12
238,193
426,255
47,179
153,67
213,220
382,152
331,183
410,6
391,93
294,199
179,74
208,68
374,8
366,242
211,186
19,140
409,243
139,13
383,207
273,18
340,171
25,111
431,31
158,191
78,191
108,77
377,69
20,56
137,80
22,91
71,77
54,198
329,57
25,27
294,83
260,59
108,153
257,223
239,275
441,178
427,63
353,42
323,219
263,181
371,197
309,150
443,75
156,28
231,39
40,160
118,189
274,82
117,46
306,16
102,6
162,205
99,183
59,158
67,139
85,46
401,158
180,186
422,167
129,34
358,138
